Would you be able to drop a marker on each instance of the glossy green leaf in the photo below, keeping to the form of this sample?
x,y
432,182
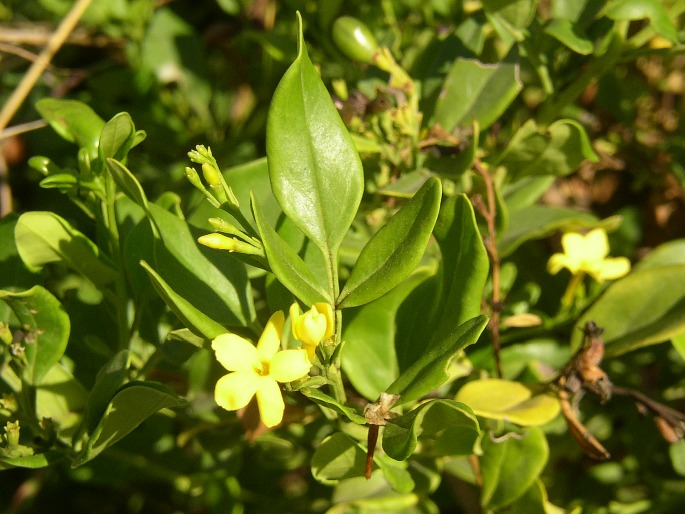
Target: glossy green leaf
x,y
430,370
193,318
132,405
46,326
532,501
443,418
570,35
127,182
44,237
509,401
315,170
654,10
287,265
212,281
116,138
337,457
395,250
60,397
74,121
556,150
511,465
538,221
666,254
526,191
476,91
321,398
368,359
464,264
657,298
14,274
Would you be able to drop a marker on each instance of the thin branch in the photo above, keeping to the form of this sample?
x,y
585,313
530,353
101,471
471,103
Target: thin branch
x,y
28,81
489,213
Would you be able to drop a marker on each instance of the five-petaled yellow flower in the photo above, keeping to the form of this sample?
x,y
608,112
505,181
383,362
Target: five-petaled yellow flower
x,y
313,326
588,254
257,370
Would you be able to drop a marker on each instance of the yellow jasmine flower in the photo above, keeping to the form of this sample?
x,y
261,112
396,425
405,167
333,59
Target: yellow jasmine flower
x,y
257,370
588,254
313,326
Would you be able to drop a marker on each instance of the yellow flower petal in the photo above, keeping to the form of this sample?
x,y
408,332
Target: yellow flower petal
x,y
574,247
612,268
289,365
558,261
270,340
597,244
326,310
270,402
235,353
235,390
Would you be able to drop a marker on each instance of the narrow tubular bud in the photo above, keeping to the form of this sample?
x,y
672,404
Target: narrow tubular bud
x,y
211,175
222,242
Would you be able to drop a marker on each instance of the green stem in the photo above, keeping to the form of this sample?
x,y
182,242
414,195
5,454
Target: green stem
x,y
333,365
570,294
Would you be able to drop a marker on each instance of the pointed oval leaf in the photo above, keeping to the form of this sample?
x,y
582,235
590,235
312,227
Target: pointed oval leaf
x,y
286,264
430,419
511,465
197,321
321,398
395,250
508,401
132,405
127,182
117,137
337,457
657,298
74,121
47,328
315,170
45,237
430,370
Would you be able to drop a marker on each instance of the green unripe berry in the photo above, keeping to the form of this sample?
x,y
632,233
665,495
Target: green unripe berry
x,y
354,39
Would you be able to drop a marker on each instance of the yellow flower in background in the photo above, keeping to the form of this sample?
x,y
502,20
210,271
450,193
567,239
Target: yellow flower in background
x,y
313,326
257,370
588,254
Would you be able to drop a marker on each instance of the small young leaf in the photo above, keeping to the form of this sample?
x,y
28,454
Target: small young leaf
x,y
127,182
73,121
430,370
132,405
510,466
45,237
430,419
315,170
321,398
46,325
117,138
395,250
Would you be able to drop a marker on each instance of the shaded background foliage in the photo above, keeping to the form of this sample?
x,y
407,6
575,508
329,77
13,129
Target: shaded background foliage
x,y
204,73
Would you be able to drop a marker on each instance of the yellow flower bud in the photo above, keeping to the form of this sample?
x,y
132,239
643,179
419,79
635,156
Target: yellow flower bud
x,y
313,326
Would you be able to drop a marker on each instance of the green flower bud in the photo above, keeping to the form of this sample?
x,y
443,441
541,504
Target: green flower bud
x,y
354,39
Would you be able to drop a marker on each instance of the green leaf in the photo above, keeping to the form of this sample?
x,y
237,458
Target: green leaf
x,y
73,121
117,138
464,266
556,150
46,326
194,319
666,254
435,418
127,182
538,221
44,237
212,281
287,265
526,191
509,401
315,170
109,379
517,13
511,465
337,457
321,398
132,405
430,370
570,35
653,10
368,359
395,250
476,91
657,294
39,460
